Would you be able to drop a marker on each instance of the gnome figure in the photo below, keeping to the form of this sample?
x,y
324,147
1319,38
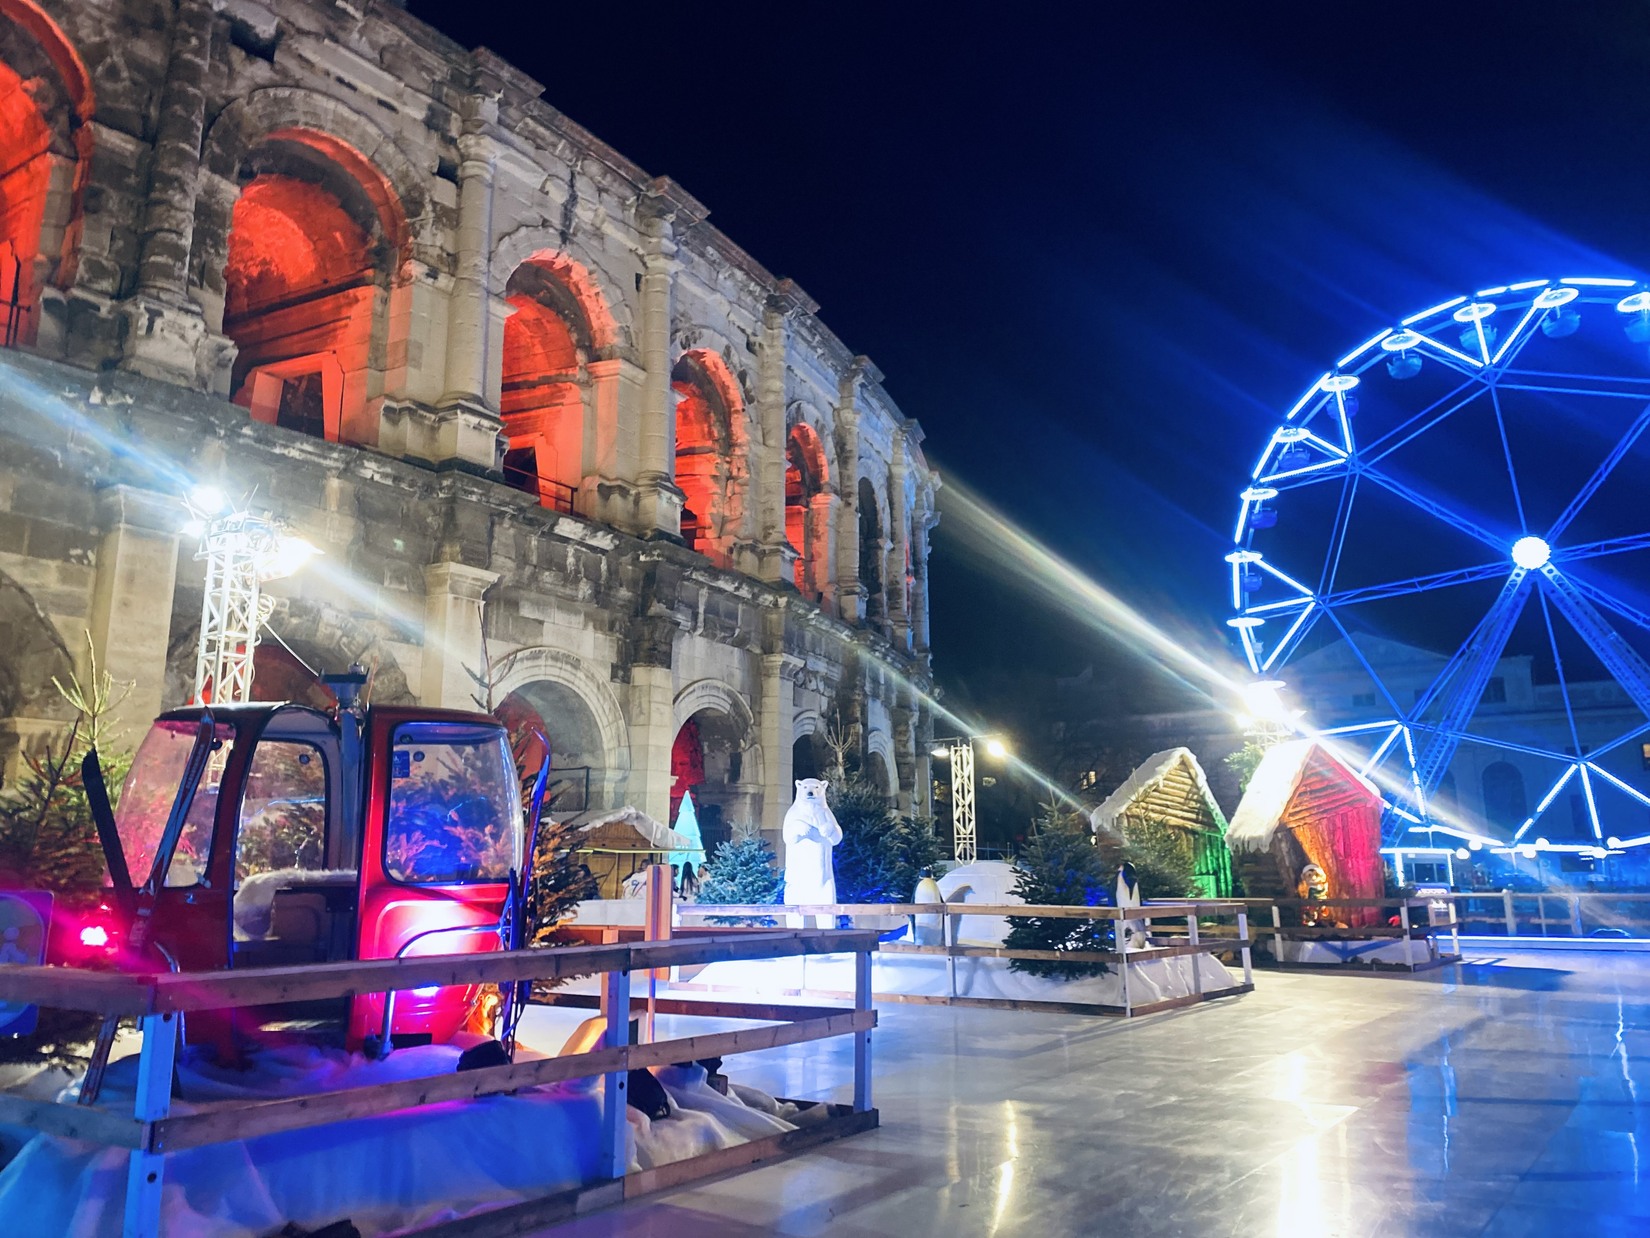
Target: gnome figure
x,y
810,833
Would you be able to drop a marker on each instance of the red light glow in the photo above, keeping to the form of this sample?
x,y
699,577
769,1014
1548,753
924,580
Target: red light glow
x,y
94,936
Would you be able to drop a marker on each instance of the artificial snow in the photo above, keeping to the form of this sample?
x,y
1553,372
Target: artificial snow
x,y
917,975
386,1174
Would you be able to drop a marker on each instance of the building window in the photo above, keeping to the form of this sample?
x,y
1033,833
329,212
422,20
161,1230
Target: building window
x,y
1644,755
1361,700
1495,692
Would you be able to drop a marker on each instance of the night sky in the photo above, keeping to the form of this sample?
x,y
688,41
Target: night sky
x,y
1097,249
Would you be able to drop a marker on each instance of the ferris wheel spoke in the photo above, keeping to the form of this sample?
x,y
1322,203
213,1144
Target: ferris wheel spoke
x,y
1432,507
1378,449
1475,665
1416,584
1506,455
1597,550
1558,666
1598,597
1621,660
1600,475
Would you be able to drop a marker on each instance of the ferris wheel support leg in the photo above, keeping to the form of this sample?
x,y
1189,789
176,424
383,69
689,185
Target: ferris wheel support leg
x,y
1620,659
1472,676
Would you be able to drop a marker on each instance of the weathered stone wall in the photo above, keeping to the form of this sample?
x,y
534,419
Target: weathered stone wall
x,y
123,390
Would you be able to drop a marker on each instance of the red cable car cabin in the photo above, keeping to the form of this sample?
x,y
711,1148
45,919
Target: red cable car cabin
x,y
311,837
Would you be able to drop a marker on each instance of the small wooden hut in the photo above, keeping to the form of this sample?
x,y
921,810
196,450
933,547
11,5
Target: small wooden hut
x,y
620,843
1304,806
1170,787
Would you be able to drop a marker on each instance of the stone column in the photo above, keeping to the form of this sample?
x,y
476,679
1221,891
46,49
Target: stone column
x,y
822,517
850,594
652,735
469,315
773,562
923,521
898,572
666,208
131,618
165,332
776,725
452,634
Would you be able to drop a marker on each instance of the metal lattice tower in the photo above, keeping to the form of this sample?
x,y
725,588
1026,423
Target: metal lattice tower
x,y
962,801
236,549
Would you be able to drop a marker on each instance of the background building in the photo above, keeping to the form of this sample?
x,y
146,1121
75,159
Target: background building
x,y
323,256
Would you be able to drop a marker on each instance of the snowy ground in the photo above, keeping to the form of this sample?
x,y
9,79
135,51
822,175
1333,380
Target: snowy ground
x,y
385,1174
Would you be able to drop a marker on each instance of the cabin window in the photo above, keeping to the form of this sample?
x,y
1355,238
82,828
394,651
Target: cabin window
x,y
284,812
454,805
149,792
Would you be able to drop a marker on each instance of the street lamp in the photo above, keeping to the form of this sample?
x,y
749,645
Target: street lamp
x,y
959,750
242,550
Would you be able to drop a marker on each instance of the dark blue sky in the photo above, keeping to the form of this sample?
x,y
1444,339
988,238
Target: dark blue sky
x,y
1098,248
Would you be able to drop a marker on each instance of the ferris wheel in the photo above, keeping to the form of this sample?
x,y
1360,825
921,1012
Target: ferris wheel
x,y
1444,551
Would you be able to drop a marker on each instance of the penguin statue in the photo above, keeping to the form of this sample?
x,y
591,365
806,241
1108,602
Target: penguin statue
x,y
928,930
1131,934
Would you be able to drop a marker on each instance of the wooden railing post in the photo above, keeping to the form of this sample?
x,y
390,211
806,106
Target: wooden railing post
x,y
614,1156
862,1040
146,1169
1123,961
1575,916
1507,911
1195,959
1541,912
1243,936
953,930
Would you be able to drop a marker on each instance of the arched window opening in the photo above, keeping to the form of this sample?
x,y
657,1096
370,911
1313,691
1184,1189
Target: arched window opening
x,y
549,339
805,522
870,552
313,251
45,100
810,757
1505,801
708,759
578,760
709,470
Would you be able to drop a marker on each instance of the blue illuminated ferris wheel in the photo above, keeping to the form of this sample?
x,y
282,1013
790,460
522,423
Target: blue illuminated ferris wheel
x,y
1444,550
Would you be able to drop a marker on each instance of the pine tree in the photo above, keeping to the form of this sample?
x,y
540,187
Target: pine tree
x,y
1244,762
1060,867
48,840
882,855
1164,863
561,880
740,871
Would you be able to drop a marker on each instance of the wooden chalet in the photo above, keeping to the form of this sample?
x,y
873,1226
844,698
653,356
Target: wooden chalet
x,y
1170,787
1304,806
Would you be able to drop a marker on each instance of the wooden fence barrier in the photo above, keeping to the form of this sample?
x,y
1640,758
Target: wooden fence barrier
x,y
1420,921
1191,911
150,1131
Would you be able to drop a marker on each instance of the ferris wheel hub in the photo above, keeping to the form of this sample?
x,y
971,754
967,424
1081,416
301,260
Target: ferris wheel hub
x,y
1531,553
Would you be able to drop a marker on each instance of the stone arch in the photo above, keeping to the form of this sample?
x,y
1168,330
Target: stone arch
x,y
712,453
46,103
553,375
881,765
729,785
32,653
807,507
331,154
600,298
320,636
553,678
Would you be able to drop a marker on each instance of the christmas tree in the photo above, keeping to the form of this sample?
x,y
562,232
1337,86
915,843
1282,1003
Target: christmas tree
x,y
740,871
687,825
1164,865
882,854
1060,867
48,840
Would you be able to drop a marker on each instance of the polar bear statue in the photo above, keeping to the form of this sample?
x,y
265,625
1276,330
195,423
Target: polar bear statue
x,y
810,833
